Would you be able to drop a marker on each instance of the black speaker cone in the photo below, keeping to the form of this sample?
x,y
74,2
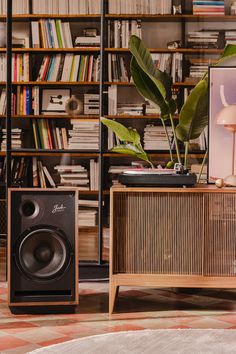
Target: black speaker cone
x,y
43,253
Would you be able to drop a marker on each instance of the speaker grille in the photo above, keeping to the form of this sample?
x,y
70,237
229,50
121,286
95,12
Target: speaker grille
x,y
220,231
158,233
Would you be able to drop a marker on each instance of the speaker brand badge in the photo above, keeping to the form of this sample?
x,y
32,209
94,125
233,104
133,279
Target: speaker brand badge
x,y
58,208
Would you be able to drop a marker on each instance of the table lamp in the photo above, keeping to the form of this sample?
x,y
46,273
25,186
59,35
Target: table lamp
x,y
227,117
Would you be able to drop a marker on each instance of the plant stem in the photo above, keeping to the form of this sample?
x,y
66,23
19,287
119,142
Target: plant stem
x,y
168,139
175,139
201,169
186,145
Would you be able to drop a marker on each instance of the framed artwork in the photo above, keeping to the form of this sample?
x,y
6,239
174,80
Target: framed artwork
x,y
222,93
54,100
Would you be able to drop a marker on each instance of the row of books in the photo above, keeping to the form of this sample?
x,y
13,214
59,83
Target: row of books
x,y
230,37
18,7
51,33
83,135
140,7
48,136
16,139
117,69
170,63
66,7
69,67
20,67
208,7
119,32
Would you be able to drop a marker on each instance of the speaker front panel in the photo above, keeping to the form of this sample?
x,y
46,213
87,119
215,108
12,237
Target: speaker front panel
x,y
43,240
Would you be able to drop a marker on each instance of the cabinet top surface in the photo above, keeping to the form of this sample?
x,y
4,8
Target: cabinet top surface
x,y
198,188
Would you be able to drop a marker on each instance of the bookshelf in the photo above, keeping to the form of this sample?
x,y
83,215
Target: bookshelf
x,y
157,31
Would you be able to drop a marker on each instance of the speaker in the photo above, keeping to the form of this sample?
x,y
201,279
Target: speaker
x,y
42,247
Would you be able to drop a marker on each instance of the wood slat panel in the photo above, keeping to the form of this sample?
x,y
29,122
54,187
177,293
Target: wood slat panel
x,y
158,233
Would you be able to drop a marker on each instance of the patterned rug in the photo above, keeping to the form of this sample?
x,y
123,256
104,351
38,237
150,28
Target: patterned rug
x,y
207,341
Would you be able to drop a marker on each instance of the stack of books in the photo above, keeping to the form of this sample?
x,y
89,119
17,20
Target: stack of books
x,y
119,32
203,39
48,136
51,33
88,41
155,137
117,69
87,217
66,7
83,135
91,104
16,138
230,37
140,7
69,68
208,7
73,175
198,67
19,7
196,168
106,244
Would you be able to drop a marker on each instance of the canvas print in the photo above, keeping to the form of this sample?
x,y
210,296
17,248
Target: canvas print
x,y
222,94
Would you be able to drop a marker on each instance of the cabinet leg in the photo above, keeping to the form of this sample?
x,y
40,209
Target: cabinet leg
x,y
113,293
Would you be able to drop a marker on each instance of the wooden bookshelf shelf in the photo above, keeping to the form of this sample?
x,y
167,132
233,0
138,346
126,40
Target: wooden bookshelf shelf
x,y
166,50
2,153
129,116
173,18
54,153
30,17
58,116
175,84
163,154
56,83
52,50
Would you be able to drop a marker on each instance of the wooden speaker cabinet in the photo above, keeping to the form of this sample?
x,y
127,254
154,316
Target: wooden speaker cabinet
x,y
172,237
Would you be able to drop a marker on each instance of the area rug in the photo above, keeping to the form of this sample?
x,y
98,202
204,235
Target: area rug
x,y
166,341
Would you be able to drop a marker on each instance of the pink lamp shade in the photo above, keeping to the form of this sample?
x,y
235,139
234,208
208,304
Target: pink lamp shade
x,y
227,117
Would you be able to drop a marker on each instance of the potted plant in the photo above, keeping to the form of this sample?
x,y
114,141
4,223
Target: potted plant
x,y
156,86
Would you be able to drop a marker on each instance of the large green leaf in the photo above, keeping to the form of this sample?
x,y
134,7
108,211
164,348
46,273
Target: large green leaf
x,y
196,108
149,88
123,133
132,150
194,113
145,62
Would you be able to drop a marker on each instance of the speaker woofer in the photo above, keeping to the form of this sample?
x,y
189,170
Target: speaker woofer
x,y
43,253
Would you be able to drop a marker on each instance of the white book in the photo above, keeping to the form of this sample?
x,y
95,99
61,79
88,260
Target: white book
x,y
92,175
35,34
73,7
54,33
49,177
67,34
67,67
58,138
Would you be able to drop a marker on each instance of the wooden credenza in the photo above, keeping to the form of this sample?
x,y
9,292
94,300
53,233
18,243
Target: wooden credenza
x,y
172,237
